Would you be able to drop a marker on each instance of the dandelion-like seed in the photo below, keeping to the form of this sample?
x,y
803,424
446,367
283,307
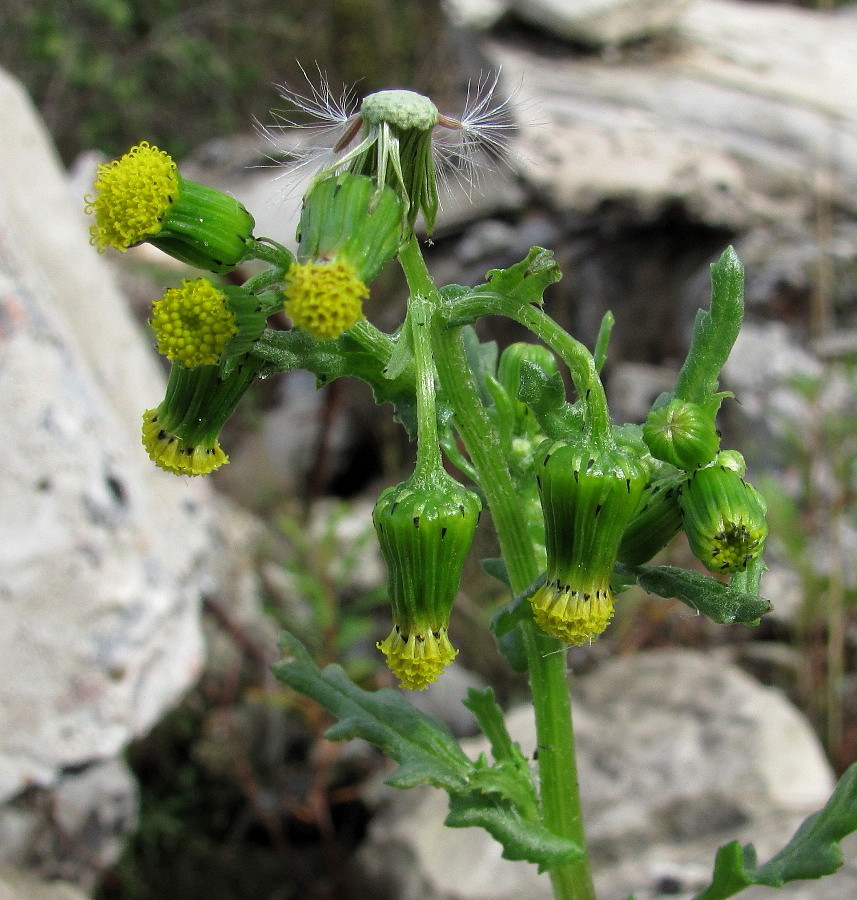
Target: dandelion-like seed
x,y
399,138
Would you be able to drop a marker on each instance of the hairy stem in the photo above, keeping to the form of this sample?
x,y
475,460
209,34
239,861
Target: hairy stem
x,y
560,796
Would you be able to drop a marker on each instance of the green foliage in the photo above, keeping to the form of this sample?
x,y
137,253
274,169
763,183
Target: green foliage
x,y
813,852
722,603
106,73
498,797
714,331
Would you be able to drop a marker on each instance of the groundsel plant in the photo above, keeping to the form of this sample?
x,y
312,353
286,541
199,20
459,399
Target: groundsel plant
x,y
580,505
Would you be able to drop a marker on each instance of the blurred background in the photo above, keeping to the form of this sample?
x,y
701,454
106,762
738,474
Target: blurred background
x,y
145,749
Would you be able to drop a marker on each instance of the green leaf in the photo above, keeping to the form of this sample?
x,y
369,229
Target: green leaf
x,y
813,852
499,798
481,360
519,285
403,352
603,340
424,749
517,610
496,568
488,714
545,395
521,838
714,331
286,351
720,602
527,280
514,649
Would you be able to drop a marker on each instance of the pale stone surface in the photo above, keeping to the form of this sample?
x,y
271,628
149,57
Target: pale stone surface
x,y
679,753
740,130
18,884
100,553
476,14
74,830
601,22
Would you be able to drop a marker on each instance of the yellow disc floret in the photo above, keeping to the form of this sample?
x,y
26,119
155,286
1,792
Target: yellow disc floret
x,y
193,323
171,454
572,616
417,659
324,298
133,194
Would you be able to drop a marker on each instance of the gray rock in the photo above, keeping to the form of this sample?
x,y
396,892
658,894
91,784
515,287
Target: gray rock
x,y
601,23
764,362
103,557
99,552
679,753
476,14
75,829
633,387
18,884
733,127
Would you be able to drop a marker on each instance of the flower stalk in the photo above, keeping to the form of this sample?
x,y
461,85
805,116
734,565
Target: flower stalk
x,y
560,795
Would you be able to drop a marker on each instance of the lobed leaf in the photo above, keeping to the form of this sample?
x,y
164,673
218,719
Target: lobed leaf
x,y
813,852
722,603
499,798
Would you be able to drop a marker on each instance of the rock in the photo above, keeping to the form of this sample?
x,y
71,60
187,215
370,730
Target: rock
x,y
732,127
476,14
601,23
782,585
74,830
18,884
633,387
679,753
99,552
102,556
763,369
279,457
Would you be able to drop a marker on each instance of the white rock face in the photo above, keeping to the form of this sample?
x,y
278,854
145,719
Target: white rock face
x,y
601,22
16,884
476,14
100,553
678,753
741,130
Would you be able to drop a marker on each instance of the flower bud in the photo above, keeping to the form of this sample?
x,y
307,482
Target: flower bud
x,y
589,494
348,232
724,519
510,373
181,435
425,527
731,459
198,323
656,521
681,433
141,197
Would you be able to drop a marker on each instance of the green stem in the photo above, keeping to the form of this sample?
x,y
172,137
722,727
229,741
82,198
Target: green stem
x,y
419,320
269,251
579,360
560,796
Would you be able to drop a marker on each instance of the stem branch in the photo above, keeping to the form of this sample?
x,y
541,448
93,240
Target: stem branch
x,y
560,796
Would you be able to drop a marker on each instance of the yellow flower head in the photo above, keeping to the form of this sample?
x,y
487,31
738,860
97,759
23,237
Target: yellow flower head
x,y
418,659
324,298
572,616
174,455
133,194
193,323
